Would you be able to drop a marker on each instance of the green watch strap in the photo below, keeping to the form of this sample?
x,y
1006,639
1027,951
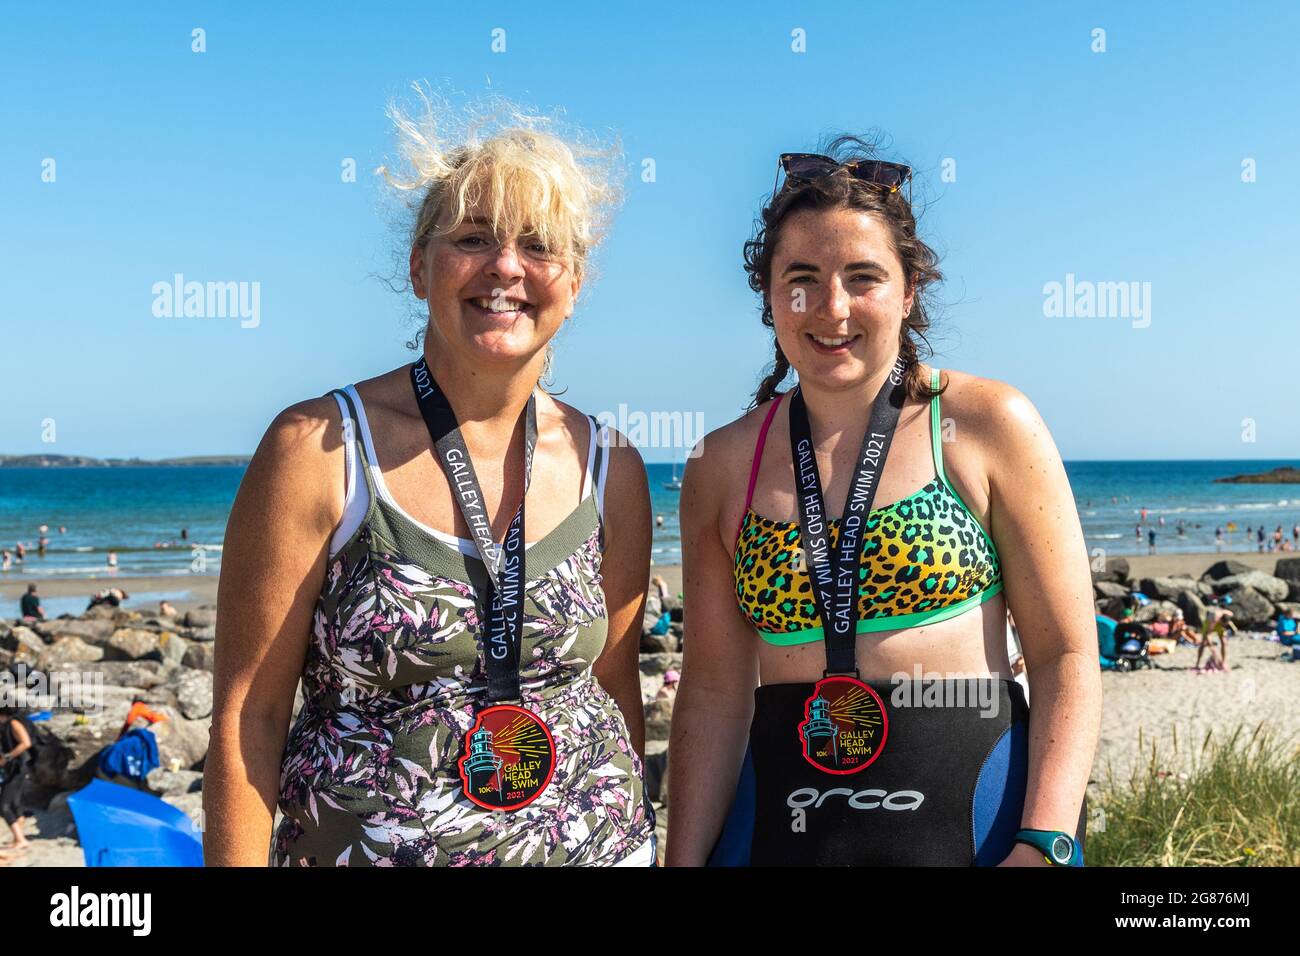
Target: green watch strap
x,y
1057,847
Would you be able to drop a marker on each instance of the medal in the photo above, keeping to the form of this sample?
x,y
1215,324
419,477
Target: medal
x,y
509,758
844,723
508,754
844,726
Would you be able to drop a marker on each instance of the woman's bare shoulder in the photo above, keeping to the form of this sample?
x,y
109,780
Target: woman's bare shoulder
x,y
298,463
303,428
721,460
969,391
295,475
573,421
389,391
997,415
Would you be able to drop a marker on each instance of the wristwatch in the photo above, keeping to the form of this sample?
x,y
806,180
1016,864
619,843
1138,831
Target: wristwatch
x,y
1059,849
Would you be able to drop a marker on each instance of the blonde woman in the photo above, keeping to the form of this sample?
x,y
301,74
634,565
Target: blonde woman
x,y
452,561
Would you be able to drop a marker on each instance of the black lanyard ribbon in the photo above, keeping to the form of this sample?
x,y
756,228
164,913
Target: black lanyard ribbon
x,y
504,617
835,575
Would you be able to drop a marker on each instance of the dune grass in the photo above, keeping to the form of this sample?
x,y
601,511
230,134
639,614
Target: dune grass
x,y
1235,802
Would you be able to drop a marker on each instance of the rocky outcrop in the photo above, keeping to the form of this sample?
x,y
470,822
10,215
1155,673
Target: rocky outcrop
x,y
1254,597
1250,608
1274,589
1116,571
1221,569
93,631
1167,589
203,616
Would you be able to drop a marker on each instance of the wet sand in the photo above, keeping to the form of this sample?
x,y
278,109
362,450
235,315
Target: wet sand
x,y
201,588
1168,565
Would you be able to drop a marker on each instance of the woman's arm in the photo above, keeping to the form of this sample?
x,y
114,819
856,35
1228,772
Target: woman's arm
x,y
276,545
624,569
24,740
1035,527
715,699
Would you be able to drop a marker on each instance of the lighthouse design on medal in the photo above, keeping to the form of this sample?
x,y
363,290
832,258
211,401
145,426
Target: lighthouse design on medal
x,y
844,727
482,758
508,758
819,726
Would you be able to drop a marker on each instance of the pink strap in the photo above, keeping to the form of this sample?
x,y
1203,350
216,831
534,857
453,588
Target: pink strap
x,y
758,450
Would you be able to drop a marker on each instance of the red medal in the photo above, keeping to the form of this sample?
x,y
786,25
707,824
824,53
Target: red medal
x,y
509,758
844,726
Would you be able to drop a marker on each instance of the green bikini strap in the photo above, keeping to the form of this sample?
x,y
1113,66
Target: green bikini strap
x,y
936,429
936,441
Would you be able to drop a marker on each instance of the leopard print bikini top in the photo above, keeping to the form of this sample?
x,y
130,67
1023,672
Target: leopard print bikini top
x,y
925,559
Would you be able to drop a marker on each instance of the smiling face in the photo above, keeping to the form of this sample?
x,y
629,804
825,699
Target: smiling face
x,y
492,300
838,295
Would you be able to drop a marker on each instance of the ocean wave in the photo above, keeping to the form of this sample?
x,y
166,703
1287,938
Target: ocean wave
x,y
1235,506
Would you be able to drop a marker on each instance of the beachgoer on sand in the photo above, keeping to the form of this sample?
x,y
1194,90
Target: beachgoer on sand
x,y
30,605
113,597
1218,622
16,744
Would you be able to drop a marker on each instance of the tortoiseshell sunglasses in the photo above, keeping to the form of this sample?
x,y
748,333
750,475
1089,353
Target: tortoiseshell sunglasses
x,y
809,166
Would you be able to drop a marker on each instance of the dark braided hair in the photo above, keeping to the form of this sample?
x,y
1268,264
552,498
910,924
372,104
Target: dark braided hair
x,y
841,191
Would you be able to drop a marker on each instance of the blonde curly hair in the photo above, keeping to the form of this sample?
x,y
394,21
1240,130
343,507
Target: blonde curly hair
x,y
511,167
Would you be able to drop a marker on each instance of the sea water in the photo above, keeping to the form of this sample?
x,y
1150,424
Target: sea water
x,y
139,513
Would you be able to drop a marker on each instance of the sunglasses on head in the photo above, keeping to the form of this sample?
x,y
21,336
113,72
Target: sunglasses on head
x,y
809,166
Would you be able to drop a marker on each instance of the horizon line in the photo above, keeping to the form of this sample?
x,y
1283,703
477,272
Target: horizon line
x,y
1295,462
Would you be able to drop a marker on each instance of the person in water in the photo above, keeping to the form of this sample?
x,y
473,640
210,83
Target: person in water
x,y
468,698
851,549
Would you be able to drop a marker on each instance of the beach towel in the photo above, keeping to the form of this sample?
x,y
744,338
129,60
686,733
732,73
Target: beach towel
x,y
134,755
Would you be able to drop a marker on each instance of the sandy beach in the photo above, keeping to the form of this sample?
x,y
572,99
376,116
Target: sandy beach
x,y
202,588
1171,565
1173,707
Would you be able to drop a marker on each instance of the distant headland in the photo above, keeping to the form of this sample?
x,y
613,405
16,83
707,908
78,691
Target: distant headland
x,y
1284,475
81,461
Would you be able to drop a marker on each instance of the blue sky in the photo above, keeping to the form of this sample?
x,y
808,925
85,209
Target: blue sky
x,y
1122,166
